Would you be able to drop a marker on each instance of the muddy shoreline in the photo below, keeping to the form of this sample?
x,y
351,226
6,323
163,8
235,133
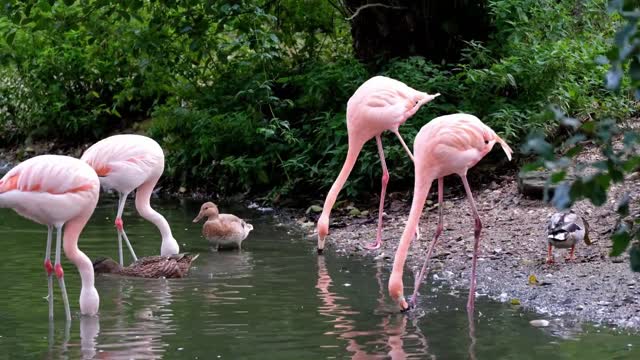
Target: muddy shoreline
x,y
595,287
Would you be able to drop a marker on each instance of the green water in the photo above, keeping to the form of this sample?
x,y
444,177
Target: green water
x,y
276,299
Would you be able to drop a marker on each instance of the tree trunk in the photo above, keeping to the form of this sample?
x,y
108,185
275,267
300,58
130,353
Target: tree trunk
x,y
435,29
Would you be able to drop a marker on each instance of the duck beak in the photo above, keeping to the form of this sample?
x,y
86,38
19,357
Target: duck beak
x,y
200,215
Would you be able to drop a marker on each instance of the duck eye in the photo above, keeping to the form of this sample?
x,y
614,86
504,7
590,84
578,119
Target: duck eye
x,y
486,142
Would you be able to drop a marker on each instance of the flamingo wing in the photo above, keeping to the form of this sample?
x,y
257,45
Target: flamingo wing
x,y
124,162
50,189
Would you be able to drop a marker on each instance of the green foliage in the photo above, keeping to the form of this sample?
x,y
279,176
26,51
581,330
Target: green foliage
x,y
251,95
595,178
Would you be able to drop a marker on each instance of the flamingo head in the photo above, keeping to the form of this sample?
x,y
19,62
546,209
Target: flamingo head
x,y
396,292
421,98
490,138
323,231
208,210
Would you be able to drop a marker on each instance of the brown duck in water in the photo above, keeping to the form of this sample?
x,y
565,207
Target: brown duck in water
x,y
174,266
222,230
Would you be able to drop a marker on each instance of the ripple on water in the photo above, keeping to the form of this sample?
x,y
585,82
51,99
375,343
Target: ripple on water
x,y
274,299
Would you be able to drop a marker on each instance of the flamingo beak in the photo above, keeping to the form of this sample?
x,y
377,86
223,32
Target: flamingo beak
x,y
505,147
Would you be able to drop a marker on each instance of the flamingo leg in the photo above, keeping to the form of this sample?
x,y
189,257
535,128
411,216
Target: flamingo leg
x,y
49,269
120,226
476,244
385,181
425,270
404,145
60,273
549,255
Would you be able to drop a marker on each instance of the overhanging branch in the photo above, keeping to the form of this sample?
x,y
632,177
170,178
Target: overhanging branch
x,y
373,5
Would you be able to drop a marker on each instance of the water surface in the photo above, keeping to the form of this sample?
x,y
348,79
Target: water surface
x,y
274,299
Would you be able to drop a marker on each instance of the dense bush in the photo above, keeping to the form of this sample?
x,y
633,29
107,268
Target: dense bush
x,y
616,163
250,95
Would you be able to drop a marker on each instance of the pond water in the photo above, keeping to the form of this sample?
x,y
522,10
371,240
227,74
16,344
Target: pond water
x,y
274,299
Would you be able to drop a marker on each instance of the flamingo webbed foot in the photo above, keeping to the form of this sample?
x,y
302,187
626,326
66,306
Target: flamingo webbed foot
x,y
374,246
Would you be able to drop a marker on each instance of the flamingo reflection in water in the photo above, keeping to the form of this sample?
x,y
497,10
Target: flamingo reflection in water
x,y
390,335
123,337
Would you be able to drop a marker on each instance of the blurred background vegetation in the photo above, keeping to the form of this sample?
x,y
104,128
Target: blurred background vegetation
x,y
250,96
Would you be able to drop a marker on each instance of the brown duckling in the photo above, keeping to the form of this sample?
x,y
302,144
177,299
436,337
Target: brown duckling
x,y
173,266
222,230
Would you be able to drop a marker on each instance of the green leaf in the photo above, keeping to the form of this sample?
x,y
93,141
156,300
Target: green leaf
x,y
634,257
623,205
561,197
631,164
531,166
556,177
44,6
588,127
10,36
634,69
574,151
621,240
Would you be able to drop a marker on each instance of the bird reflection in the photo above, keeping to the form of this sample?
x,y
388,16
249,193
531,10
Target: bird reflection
x,y
89,330
472,335
137,337
390,335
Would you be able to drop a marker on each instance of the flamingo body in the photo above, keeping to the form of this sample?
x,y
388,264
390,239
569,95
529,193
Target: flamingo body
x,y
57,191
449,144
379,104
132,162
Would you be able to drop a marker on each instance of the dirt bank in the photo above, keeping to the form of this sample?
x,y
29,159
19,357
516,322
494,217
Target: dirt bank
x,y
595,287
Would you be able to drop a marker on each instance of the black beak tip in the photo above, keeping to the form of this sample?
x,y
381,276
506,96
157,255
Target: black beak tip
x,y
320,251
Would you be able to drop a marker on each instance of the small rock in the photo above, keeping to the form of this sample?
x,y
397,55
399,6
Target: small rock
x,y
515,301
354,212
314,208
539,323
182,189
307,224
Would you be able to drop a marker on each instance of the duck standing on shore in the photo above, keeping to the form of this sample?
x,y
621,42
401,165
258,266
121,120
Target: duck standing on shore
x,y
222,230
564,230
173,266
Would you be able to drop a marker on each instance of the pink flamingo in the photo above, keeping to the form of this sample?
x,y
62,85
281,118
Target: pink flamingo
x,y
379,104
57,191
125,163
449,144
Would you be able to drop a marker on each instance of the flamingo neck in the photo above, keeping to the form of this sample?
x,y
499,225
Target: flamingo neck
x,y
323,221
143,196
89,298
420,192
352,156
